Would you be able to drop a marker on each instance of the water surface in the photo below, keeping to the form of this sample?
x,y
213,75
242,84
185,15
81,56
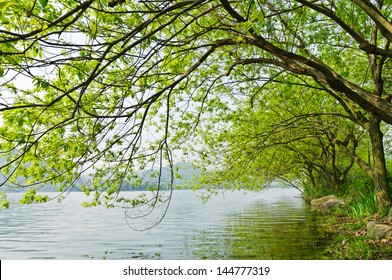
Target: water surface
x,y
272,224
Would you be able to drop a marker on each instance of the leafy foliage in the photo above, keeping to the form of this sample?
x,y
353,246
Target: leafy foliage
x,y
106,88
289,134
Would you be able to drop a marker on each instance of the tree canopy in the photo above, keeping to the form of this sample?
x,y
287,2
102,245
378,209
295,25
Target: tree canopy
x,y
105,88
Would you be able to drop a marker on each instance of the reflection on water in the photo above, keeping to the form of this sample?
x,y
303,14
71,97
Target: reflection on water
x,y
264,231
273,224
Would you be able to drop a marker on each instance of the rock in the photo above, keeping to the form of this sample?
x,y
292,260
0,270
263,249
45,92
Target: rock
x,y
331,203
326,201
378,231
322,200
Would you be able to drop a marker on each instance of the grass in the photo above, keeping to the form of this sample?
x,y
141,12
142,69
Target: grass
x,y
364,206
351,242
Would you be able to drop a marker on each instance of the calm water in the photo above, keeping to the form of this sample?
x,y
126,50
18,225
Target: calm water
x,y
273,224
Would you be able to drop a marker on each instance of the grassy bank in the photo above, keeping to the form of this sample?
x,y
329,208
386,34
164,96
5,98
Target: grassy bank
x,y
350,241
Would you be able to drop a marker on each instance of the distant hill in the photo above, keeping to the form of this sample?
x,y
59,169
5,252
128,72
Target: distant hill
x,y
184,173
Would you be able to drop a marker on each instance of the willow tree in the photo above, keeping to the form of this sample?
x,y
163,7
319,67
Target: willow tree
x,y
85,84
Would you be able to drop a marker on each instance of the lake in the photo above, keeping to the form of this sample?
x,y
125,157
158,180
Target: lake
x,y
271,224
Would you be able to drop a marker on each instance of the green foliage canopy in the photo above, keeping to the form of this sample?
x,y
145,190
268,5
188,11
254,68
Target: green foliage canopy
x,y
295,133
86,85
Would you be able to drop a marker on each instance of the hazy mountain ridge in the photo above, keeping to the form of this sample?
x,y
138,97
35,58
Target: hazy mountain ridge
x,y
183,174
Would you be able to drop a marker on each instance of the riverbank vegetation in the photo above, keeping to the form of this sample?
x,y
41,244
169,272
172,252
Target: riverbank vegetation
x,y
350,241
253,92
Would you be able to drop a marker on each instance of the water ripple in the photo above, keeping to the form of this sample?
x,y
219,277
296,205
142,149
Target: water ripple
x,y
274,224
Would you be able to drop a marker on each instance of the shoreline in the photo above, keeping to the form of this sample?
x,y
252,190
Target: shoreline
x,y
350,240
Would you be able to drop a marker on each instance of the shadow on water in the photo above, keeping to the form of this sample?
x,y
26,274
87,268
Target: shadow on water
x,y
281,230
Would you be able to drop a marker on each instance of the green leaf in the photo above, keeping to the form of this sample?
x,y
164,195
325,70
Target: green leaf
x,y
5,4
30,197
4,203
1,71
43,2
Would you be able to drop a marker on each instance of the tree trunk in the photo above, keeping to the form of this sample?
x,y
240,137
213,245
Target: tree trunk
x,y
380,174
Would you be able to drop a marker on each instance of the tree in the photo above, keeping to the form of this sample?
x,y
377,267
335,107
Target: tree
x,y
85,83
294,133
